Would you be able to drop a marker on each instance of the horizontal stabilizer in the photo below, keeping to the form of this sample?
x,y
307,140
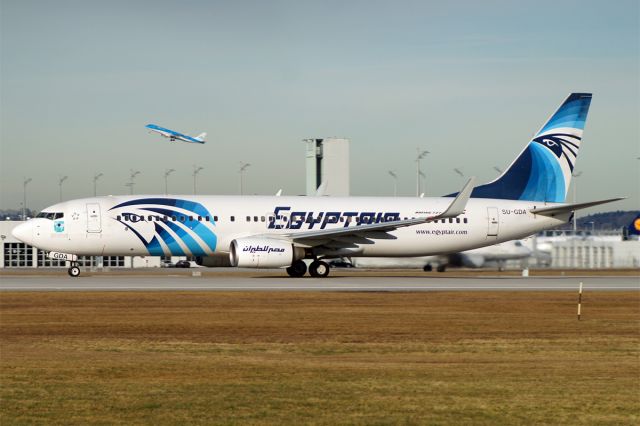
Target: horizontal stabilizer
x,y
567,208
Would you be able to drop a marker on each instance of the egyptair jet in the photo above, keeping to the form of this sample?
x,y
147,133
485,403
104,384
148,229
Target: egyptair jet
x,y
281,232
173,135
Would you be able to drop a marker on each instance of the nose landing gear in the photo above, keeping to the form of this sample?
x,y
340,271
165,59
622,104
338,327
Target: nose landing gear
x,y
74,270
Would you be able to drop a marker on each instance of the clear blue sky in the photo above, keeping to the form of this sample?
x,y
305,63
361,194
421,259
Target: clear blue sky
x,y
469,81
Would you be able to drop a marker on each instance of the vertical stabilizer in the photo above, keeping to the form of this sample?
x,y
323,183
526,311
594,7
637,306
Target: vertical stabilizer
x,y
542,172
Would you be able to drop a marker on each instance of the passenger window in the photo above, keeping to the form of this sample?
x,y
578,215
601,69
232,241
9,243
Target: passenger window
x,y
174,218
248,218
457,220
465,220
190,218
255,218
233,218
199,218
262,219
150,218
181,218
450,220
118,217
215,218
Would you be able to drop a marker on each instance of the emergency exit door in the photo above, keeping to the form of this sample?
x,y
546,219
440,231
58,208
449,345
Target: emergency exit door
x,y
94,223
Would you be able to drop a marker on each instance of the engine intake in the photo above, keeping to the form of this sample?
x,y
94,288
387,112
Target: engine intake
x,y
263,253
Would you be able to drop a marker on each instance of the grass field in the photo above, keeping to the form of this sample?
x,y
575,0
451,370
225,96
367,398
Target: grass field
x,y
319,358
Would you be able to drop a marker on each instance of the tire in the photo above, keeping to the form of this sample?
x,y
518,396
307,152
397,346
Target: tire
x,y
427,268
297,269
441,268
74,271
319,269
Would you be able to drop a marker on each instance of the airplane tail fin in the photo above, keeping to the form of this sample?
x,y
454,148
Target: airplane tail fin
x,y
634,227
201,136
542,172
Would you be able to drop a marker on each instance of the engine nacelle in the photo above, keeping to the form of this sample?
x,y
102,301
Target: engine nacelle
x,y
215,261
263,253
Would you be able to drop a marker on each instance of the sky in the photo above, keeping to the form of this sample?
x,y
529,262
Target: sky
x,y
470,82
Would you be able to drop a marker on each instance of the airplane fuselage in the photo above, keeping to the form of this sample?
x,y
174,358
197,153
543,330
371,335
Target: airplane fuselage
x,y
207,225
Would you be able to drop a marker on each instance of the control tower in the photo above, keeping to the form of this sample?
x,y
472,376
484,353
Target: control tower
x,y
327,160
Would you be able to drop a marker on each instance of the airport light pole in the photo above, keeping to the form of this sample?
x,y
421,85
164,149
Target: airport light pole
x,y
395,182
196,170
575,213
60,182
25,182
243,167
131,183
424,184
96,176
167,172
419,156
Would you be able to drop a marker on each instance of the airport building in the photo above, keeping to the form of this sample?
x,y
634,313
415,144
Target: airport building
x,y
327,162
596,254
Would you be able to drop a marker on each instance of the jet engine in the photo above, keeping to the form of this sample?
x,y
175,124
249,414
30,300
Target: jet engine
x,y
263,253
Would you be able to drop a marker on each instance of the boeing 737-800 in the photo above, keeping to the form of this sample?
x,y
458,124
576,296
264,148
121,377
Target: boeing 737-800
x,y
279,232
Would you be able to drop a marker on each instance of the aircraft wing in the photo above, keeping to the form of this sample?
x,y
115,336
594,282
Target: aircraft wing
x,y
378,230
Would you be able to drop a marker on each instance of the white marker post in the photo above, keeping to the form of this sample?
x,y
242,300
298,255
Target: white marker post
x,y
579,300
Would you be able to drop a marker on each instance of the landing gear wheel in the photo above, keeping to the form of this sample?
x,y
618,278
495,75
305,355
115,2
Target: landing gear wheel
x,y
319,269
441,268
427,268
74,271
297,269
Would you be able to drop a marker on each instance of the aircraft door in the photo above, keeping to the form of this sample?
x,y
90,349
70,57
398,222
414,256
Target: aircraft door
x,y
94,221
493,222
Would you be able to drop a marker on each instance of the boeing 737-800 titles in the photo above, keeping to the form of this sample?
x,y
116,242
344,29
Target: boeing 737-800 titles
x,y
279,232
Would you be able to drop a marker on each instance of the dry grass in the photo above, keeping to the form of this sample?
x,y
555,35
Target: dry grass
x,y
319,358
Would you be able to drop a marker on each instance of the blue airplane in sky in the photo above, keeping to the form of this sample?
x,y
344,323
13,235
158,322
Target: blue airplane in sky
x,y
173,135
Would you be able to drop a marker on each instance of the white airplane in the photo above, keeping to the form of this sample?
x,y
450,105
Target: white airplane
x,y
476,258
173,135
279,232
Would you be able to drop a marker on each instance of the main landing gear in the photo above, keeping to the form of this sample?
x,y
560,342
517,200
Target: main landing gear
x,y
317,269
74,270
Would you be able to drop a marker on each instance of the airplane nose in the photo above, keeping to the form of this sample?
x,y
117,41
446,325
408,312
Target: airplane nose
x,y
24,232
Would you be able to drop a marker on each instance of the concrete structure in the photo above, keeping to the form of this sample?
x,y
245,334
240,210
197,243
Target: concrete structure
x,y
327,161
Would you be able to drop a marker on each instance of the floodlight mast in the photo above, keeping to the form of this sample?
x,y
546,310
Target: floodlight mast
x,y
243,167
420,155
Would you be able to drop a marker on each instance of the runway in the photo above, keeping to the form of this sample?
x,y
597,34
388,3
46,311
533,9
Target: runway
x,y
387,283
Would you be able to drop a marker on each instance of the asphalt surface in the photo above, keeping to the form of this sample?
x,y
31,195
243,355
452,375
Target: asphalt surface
x,y
269,282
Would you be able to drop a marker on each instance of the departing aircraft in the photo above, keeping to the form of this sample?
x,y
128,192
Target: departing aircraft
x,y
477,258
279,232
173,135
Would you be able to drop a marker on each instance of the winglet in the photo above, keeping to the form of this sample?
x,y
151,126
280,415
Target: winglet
x,y
458,205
